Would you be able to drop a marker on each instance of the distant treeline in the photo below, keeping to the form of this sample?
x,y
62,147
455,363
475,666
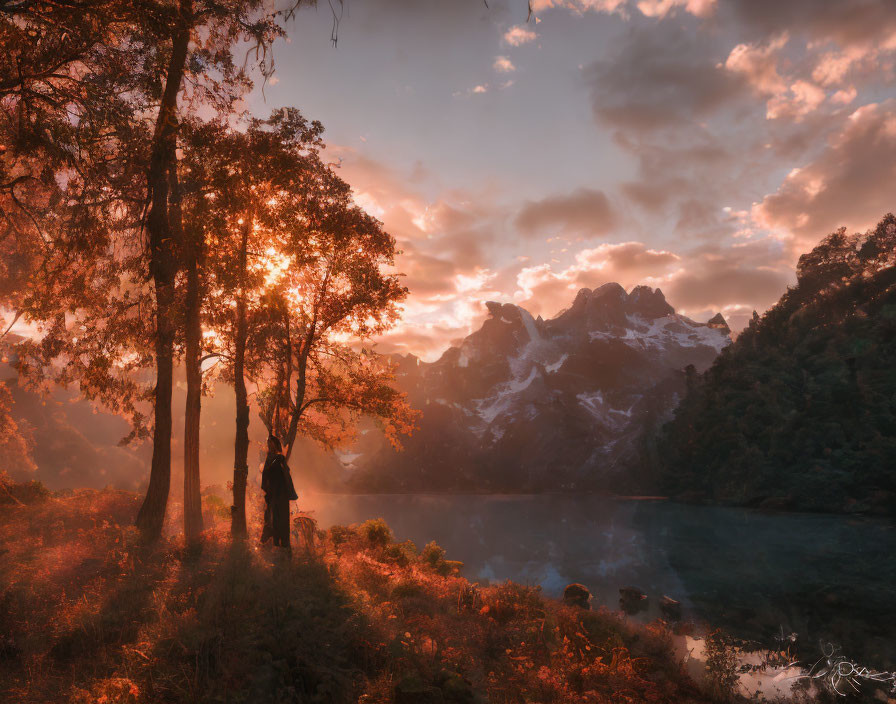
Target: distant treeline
x,y
800,411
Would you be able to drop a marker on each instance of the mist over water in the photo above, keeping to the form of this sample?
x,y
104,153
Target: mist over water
x,y
824,577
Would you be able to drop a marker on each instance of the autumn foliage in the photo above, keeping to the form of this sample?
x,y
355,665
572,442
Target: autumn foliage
x,y
149,224
89,614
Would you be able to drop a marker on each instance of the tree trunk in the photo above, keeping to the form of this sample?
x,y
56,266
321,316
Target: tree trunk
x,y
297,409
241,442
163,268
283,385
192,353
307,342
284,390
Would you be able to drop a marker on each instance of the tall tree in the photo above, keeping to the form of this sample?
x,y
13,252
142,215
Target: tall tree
x,y
318,373
152,59
164,238
281,229
246,186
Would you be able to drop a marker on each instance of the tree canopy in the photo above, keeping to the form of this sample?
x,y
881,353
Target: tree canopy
x,y
799,411
142,214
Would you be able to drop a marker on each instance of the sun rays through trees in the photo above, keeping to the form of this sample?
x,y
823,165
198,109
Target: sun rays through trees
x,y
148,223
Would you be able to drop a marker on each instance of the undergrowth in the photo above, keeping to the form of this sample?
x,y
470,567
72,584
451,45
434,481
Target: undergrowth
x,y
89,614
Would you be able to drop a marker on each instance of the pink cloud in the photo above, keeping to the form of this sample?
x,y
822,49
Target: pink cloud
x,y
444,242
849,184
649,8
758,63
661,8
801,99
519,35
503,65
545,291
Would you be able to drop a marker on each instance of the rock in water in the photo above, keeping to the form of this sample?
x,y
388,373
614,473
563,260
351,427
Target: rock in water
x,y
632,600
577,595
670,608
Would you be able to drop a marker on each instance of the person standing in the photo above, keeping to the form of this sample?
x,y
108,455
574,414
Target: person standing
x,y
276,483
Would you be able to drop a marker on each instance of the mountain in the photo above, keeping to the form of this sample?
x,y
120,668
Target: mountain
x,y
525,404
800,412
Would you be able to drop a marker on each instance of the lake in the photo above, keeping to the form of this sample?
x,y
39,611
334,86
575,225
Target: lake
x,y
827,578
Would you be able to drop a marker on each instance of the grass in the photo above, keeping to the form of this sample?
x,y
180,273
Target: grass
x,y
88,614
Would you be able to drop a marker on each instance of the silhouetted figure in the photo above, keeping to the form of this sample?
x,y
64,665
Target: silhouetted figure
x,y
278,488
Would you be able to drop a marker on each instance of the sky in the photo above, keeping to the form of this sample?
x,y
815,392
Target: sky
x,y
698,146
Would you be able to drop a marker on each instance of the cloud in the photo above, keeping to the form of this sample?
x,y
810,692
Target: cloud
x,y
735,279
795,99
844,96
833,67
860,22
479,89
661,8
661,77
626,260
746,276
649,8
652,195
801,99
545,291
726,285
519,35
758,63
586,212
503,65
445,237
849,184
683,188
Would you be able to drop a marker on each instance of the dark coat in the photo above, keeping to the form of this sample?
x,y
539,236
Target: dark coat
x,y
276,482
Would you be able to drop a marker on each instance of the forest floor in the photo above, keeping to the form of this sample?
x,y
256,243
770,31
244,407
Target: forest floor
x,y
89,614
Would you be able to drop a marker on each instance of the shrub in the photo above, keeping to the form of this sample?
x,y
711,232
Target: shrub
x,y
432,554
216,506
433,557
340,535
400,554
509,601
377,532
30,492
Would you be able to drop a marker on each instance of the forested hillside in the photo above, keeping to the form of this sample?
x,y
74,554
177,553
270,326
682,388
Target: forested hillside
x,y
800,412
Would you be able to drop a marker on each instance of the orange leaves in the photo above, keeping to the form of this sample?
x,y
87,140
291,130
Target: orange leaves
x,y
309,274
166,622
113,690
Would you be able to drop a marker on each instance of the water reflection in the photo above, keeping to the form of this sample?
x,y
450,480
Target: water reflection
x,y
825,577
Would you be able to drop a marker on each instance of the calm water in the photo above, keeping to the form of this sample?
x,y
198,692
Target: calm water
x,y
824,577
